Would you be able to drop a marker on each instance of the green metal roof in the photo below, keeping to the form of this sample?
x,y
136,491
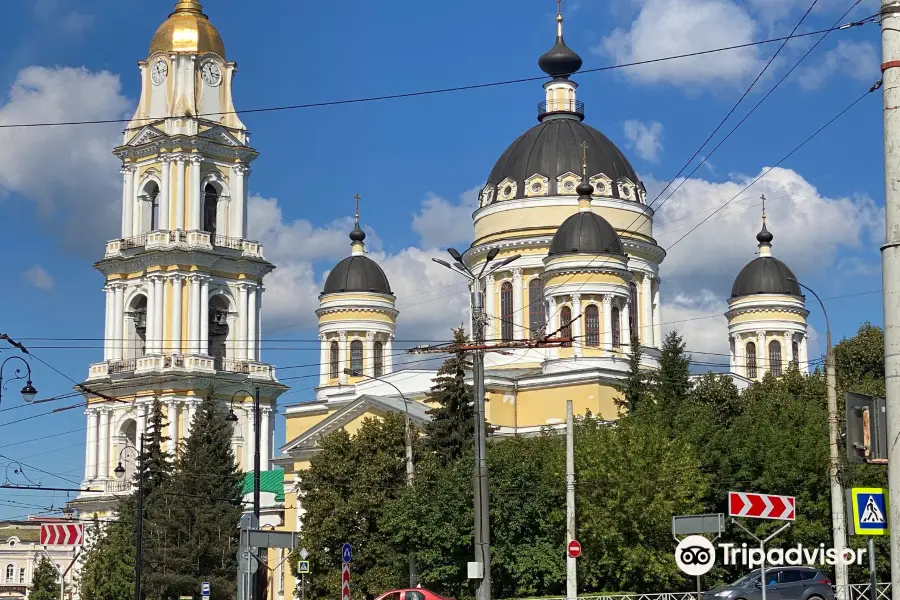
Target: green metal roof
x,y
269,481
25,535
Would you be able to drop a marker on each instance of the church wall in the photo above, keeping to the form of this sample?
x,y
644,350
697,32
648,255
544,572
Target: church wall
x,y
763,316
351,315
548,406
518,214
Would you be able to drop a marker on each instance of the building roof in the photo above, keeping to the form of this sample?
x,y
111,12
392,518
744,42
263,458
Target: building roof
x,y
554,148
187,30
586,232
24,532
271,482
765,275
357,274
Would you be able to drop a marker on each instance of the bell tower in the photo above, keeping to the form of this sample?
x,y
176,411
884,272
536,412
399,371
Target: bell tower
x,y
184,287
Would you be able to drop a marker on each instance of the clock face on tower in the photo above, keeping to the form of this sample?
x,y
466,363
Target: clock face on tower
x,y
159,71
211,74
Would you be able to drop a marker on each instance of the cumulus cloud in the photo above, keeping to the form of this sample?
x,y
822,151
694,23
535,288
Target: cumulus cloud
x,y
67,171
857,60
644,138
38,277
441,223
671,27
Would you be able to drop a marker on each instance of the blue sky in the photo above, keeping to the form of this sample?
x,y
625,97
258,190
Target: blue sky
x,y
417,161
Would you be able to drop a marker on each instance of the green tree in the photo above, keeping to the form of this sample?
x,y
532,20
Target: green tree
x,y
196,512
155,463
44,582
672,381
634,388
108,569
452,426
859,361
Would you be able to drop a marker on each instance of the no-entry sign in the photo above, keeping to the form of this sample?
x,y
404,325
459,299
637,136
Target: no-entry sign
x,y
574,549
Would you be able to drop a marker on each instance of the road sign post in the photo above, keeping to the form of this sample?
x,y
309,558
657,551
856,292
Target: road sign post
x,y
762,506
713,524
869,509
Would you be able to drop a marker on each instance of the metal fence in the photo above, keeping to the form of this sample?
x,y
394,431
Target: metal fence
x,y
858,591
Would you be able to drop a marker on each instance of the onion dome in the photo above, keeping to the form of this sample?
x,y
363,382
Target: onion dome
x,y
357,235
560,60
586,233
765,274
187,30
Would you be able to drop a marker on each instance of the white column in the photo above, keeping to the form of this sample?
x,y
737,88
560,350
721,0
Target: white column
x,y
577,325
108,325
324,359
625,329
740,366
518,306
804,353
237,200
127,201
552,327
389,355
151,316
787,351
176,313
165,185
196,221
607,324
194,316
490,307
172,418
369,356
158,314
90,459
118,317
242,322
732,354
251,441
646,321
179,192
103,445
762,358
657,314
189,409
242,201
265,431
342,356
259,297
252,322
204,316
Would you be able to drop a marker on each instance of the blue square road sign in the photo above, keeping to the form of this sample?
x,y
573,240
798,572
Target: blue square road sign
x,y
870,511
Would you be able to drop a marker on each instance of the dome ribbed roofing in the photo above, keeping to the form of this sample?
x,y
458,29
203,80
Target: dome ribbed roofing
x,y
765,275
586,232
357,274
554,148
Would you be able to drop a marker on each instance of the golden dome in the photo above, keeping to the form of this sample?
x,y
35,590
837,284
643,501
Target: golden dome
x,y
187,30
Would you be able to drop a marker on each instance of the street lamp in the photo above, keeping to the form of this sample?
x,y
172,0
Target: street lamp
x,y
482,500
409,456
837,495
139,525
28,392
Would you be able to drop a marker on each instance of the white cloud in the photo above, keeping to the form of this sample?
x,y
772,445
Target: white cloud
x,y
672,27
68,171
441,223
645,138
38,277
858,60
700,319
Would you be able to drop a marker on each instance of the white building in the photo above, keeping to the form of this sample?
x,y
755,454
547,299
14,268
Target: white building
x,y
20,553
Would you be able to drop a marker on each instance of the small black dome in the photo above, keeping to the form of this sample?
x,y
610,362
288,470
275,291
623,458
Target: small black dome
x,y
553,148
765,275
357,235
584,189
586,232
560,60
357,274
764,236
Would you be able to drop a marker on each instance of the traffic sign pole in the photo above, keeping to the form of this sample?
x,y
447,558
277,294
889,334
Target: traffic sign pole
x,y
571,567
762,547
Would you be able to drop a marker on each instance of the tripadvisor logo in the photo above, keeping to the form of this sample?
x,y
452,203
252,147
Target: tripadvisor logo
x,y
695,555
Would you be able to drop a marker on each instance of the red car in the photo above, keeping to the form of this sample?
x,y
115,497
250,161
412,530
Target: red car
x,y
412,594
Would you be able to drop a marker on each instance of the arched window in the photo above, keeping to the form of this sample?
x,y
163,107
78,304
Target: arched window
x,y
379,359
591,326
632,312
775,358
565,322
795,354
616,320
150,207
210,206
537,313
10,573
356,357
506,311
751,360
335,358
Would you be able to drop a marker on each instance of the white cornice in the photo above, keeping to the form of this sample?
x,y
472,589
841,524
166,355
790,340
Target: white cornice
x,y
499,206
212,260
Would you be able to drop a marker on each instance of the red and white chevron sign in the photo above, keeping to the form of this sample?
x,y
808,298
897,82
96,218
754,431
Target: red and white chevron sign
x,y
62,534
345,581
761,506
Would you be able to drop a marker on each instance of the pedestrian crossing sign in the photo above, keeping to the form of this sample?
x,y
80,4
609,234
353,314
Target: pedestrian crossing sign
x,y
870,511
303,567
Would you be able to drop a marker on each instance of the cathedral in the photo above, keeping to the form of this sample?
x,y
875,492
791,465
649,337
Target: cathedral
x,y
563,215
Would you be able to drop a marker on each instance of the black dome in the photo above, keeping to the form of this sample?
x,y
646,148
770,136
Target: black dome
x,y
553,148
357,274
765,275
560,60
586,232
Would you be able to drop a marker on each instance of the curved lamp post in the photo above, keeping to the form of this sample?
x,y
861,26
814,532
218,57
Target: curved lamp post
x,y
409,454
28,392
139,525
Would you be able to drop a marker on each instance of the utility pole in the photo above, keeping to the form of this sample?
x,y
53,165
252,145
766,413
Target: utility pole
x,y
890,263
139,525
258,581
571,568
482,499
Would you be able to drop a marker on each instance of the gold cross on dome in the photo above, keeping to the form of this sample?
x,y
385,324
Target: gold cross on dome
x,y
357,198
559,7
584,149
763,196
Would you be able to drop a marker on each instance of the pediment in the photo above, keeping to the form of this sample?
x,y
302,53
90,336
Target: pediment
x,y
220,135
145,136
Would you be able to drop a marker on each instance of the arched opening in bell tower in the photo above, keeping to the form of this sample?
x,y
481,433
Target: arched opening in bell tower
x,y
128,448
136,326
210,208
218,330
150,207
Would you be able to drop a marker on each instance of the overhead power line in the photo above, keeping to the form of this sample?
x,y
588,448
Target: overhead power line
x,y
446,90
